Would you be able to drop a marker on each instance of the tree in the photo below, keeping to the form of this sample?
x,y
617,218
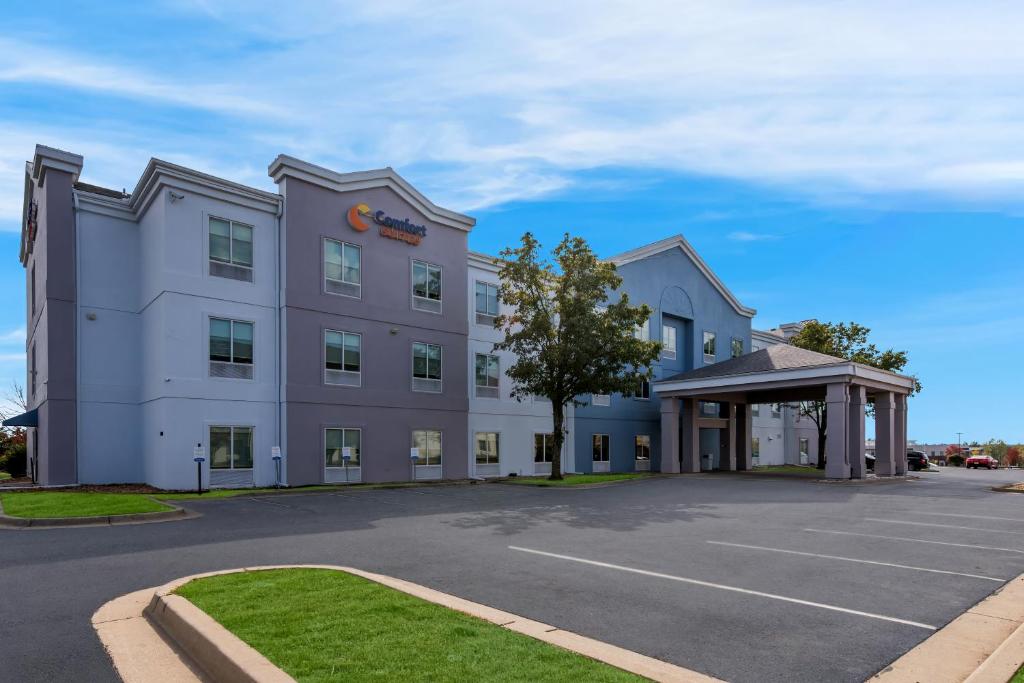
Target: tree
x,y
569,341
997,449
954,455
13,440
1013,456
849,341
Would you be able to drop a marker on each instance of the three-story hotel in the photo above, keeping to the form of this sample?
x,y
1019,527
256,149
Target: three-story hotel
x,y
341,322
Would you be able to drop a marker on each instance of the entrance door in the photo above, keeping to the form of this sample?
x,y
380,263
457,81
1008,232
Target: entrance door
x,y
710,449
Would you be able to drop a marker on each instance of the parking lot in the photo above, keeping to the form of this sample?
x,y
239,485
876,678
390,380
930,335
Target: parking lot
x,y
743,577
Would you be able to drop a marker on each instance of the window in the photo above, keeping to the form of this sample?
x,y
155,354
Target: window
x,y
486,448
230,348
736,349
426,287
709,409
428,441
805,448
776,410
543,447
642,446
426,367
487,375
602,447
709,347
755,447
601,399
343,270
643,390
486,303
668,341
755,409
230,249
643,331
342,358
231,448
336,440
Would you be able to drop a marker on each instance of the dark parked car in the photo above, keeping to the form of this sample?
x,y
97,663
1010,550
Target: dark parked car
x,y
917,461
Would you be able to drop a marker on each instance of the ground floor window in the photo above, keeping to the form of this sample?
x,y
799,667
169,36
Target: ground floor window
x,y
336,441
230,448
486,448
543,447
642,446
805,448
602,447
428,441
755,447
755,409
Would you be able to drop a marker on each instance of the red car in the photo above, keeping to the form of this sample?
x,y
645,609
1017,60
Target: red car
x,y
986,461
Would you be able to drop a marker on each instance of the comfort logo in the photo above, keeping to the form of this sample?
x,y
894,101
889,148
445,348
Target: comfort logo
x,y
355,217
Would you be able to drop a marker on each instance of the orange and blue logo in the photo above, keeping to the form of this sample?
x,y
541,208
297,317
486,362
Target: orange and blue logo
x,y
404,230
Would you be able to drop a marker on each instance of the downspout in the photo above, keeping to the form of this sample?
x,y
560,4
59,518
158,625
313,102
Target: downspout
x,y
78,336
277,361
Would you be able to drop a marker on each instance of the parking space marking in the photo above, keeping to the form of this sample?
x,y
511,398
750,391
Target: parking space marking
x,y
943,526
734,589
917,540
853,559
953,514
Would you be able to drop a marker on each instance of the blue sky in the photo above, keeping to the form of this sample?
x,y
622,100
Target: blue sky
x,y
844,161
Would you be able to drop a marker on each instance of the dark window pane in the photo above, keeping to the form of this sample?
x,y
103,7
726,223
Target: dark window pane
x,y
333,346
220,447
220,240
332,260
332,443
419,279
241,245
220,340
352,440
352,352
243,447
352,265
242,346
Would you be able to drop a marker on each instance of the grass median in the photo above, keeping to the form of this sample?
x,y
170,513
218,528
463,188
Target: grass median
x,y
326,625
51,504
576,479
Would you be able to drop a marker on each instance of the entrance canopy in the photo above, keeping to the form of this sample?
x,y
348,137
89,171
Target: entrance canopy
x,y
781,374
29,419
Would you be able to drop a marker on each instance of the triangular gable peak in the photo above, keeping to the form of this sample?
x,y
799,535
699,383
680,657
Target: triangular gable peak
x,y
679,242
285,165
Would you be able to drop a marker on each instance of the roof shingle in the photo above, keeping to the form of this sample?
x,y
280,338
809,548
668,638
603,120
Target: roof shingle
x,y
778,357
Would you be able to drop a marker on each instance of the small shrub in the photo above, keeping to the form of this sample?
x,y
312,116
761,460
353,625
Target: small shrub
x,y
15,461
955,460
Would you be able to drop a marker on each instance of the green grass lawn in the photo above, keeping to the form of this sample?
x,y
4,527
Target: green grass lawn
x,y
1018,677
325,625
231,493
798,470
46,504
576,479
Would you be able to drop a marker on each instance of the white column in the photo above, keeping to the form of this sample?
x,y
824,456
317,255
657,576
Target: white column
x,y
855,429
900,431
670,435
837,462
885,434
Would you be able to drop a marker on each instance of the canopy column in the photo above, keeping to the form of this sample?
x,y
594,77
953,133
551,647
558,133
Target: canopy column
x,y
837,461
744,430
885,434
855,429
900,430
691,436
670,435
727,454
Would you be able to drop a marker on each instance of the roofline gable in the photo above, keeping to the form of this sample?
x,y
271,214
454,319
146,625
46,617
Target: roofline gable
x,y
679,242
285,165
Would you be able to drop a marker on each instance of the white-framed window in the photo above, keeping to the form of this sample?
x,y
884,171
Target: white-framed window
x,y
486,448
602,447
426,287
755,447
543,447
735,348
709,347
709,409
426,367
343,358
755,409
776,410
668,341
230,448
343,268
603,400
805,448
336,439
487,376
643,331
642,447
643,390
486,303
428,441
230,249
231,348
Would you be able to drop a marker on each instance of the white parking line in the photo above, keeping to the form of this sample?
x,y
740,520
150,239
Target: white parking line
x,y
942,526
853,559
975,517
734,589
916,540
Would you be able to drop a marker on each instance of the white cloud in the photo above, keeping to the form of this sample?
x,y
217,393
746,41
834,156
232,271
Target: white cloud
x,y
480,107
16,336
744,236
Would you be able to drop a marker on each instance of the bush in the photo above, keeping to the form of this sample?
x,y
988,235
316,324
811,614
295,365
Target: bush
x,y
15,461
955,460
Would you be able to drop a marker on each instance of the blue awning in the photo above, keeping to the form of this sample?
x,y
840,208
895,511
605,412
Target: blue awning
x,y
29,419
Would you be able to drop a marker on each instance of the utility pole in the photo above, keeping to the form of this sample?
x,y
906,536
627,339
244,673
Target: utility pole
x,y
959,448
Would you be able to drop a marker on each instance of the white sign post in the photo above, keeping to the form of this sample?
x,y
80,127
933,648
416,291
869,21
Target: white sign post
x,y
414,456
275,455
199,456
346,455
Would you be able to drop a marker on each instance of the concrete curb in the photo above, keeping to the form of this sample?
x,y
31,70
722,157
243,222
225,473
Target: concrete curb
x,y
176,513
226,658
985,644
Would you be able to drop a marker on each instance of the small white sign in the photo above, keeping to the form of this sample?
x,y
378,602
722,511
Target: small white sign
x,y
414,453
346,453
198,453
275,452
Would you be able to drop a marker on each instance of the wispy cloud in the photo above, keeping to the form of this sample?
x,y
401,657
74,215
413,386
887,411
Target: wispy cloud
x,y
744,236
16,336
